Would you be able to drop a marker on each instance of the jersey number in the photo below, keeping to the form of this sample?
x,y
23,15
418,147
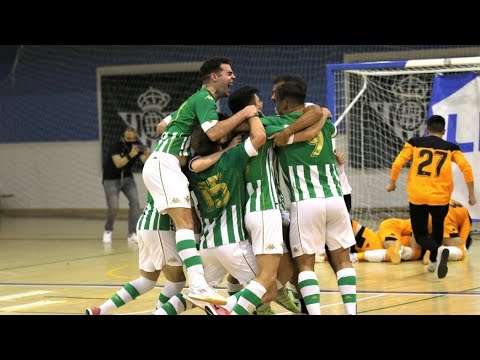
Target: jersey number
x,y
215,193
429,155
317,141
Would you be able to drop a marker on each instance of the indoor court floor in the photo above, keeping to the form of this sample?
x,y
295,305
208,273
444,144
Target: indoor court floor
x,y
59,266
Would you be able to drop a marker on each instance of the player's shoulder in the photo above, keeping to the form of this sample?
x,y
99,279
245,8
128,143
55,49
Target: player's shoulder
x,y
202,96
433,142
271,119
330,125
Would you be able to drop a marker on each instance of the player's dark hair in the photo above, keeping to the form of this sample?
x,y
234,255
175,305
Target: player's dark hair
x,y
201,143
242,97
291,91
436,124
213,65
290,78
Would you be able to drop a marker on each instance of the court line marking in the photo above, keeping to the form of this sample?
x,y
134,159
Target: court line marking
x,y
21,295
358,300
112,272
64,261
34,304
359,292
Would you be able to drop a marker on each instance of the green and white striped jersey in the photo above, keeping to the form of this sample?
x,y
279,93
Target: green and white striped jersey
x,y
308,168
219,194
200,108
152,220
261,180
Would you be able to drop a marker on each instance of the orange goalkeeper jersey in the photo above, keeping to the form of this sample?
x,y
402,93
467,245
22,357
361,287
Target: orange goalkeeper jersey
x,y
457,222
365,238
395,229
430,180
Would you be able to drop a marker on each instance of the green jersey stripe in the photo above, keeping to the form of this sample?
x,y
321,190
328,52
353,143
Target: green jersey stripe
x,y
274,185
307,182
152,220
228,230
262,184
317,186
254,194
206,237
220,197
334,180
198,109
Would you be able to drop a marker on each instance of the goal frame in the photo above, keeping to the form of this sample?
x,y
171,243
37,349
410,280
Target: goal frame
x,y
460,64
341,106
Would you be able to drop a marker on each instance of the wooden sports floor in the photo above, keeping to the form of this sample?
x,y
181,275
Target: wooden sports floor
x,y
51,266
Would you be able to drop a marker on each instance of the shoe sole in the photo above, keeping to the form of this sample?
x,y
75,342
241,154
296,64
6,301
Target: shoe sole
x,y
198,303
393,252
209,311
206,300
298,311
266,313
442,265
395,257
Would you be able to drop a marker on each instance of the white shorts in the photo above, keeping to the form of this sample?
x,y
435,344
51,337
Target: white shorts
x,y
166,182
235,259
156,249
265,230
316,222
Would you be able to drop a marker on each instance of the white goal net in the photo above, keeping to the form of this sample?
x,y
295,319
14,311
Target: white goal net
x,y
378,106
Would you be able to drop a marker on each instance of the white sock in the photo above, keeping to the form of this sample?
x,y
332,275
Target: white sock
x,y
128,293
455,253
347,285
375,255
170,289
407,253
231,301
310,290
175,306
190,255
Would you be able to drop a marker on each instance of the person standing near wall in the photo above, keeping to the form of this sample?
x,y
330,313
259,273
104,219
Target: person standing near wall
x,y
118,177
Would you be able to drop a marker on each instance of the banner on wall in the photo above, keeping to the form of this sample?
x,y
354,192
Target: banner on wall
x,y
140,97
456,97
